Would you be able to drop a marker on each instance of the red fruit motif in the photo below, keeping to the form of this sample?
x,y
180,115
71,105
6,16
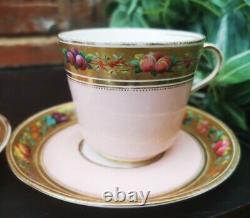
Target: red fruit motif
x,y
203,127
35,135
70,57
157,55
24,149
147,64
34,128
23,152
220,152
220,147
81,62
163,64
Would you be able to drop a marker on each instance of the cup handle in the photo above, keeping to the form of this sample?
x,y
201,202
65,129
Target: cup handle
x,y
219,62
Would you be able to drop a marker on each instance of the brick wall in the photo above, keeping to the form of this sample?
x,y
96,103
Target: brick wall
x,y
28,28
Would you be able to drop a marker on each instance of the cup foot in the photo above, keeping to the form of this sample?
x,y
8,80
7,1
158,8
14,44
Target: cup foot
x,y
92,156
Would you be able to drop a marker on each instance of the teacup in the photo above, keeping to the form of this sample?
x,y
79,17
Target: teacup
x,y
131,86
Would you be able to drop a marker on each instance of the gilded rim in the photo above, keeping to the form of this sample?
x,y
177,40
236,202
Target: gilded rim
x,y
200,185
200,39
5,132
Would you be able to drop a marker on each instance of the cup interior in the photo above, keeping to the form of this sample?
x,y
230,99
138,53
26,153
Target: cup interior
x,y
118,37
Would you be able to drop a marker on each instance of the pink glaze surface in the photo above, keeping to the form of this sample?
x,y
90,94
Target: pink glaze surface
x,y
129,124
64,164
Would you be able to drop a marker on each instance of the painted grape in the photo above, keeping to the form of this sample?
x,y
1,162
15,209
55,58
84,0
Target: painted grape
x,y
70,57
81,62
76,58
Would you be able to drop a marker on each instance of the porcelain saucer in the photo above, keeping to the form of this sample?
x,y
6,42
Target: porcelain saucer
x,y
48,153
5,132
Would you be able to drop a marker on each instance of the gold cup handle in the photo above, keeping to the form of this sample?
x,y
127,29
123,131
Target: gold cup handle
x,y
219,62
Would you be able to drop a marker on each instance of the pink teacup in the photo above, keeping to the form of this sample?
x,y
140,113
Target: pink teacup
x,y
131,86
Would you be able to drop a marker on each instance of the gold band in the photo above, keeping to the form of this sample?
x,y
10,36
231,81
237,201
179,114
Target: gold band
x,y
131,83
130,67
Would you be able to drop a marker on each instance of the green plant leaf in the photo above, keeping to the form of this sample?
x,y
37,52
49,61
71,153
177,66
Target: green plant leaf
x,y
222,39
236,75
209,6
236,70
239,93
132,7
237,61
138,19
233,26
152,9
220,3
228,111
247,2
234,115
119,18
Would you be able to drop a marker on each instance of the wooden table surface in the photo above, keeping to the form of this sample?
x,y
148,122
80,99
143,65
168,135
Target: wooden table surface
x,y
25,91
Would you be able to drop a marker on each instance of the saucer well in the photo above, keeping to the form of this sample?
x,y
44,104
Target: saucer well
x,y
5,132
48,153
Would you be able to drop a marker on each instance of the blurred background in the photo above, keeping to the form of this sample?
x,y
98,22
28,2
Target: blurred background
x,y
31,64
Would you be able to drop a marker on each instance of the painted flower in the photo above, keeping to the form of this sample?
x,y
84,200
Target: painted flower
x,y
221,147
203,127
22,151
220,142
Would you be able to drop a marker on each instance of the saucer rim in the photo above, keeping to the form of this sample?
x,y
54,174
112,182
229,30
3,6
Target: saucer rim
x,y
72,199
7,134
